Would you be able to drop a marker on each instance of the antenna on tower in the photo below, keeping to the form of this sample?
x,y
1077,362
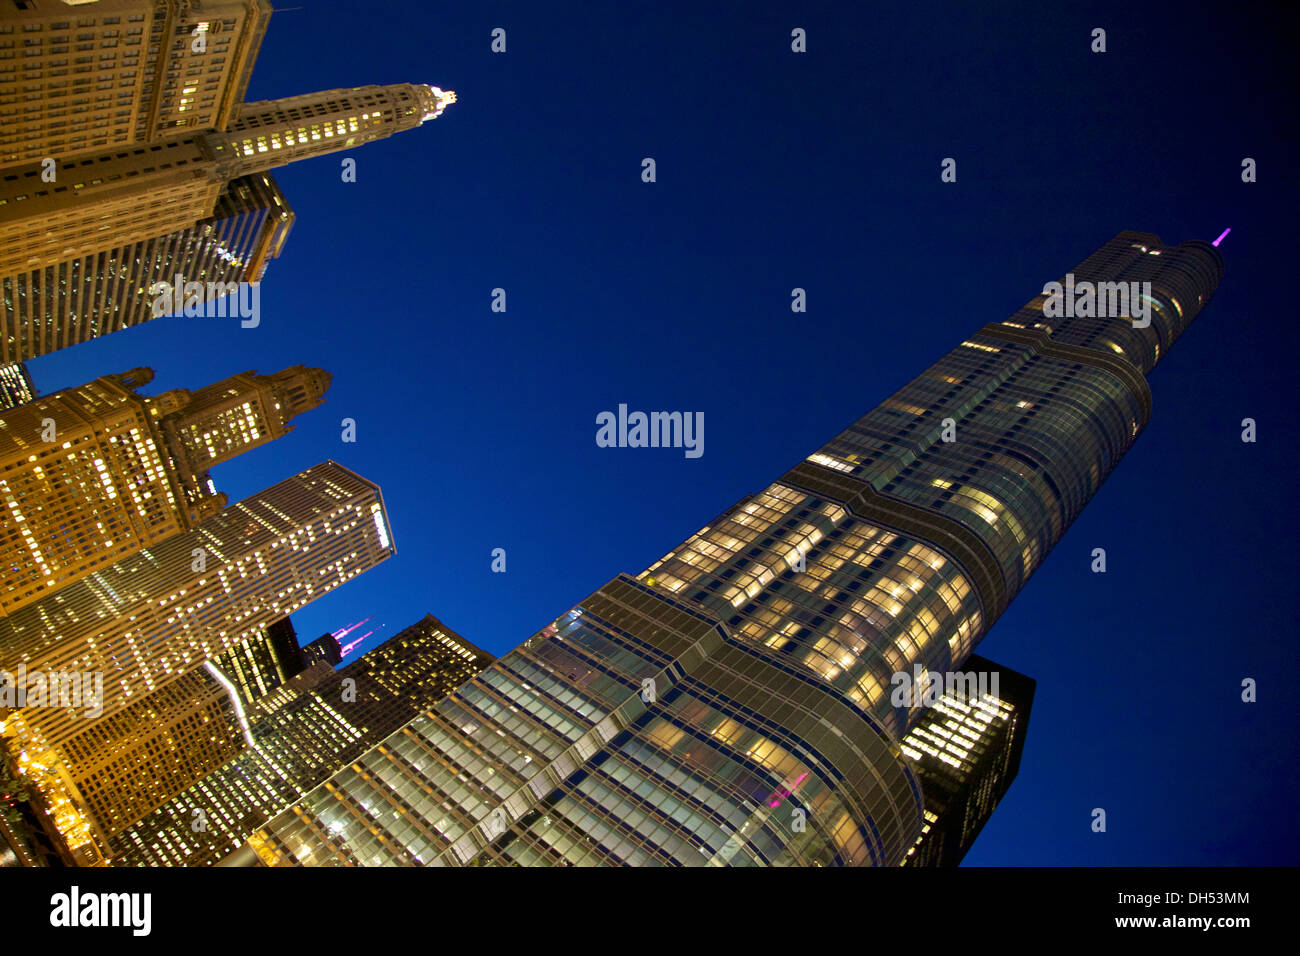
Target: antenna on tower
x,y
1221,235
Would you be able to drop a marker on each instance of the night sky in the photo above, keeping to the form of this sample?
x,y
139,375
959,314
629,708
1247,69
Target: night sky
x,y
819,170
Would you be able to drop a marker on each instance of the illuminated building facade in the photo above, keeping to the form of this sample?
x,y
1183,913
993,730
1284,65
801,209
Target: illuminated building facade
x,y
92,474
118,196
155,615
731,704
16,386
305,732
120,767
967,751
77,76
57,306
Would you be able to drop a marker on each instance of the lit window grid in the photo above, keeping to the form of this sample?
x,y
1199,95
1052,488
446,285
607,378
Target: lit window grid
x,y
150,618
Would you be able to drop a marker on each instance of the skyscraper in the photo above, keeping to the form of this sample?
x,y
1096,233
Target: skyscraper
x,y
324,650
117,196
147,630
267,660
730,705
120,767
967,751
122,171
303,733
79,75
56,306
158,614
92,474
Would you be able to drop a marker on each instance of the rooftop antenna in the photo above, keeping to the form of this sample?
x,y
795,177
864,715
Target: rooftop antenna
x,y
1221,235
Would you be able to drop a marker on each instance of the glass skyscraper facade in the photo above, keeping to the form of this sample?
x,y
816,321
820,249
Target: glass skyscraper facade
x,y
730,705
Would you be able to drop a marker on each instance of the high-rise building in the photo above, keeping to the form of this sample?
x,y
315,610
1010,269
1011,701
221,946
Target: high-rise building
x,y
16,387
324,650
147,630
56,306
92,474
731,704
117,196
119,767
264,662
119,173
162,612
967,749
76,76
304,732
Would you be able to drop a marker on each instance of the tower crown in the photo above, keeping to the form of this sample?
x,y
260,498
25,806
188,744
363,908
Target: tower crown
x,y
439,100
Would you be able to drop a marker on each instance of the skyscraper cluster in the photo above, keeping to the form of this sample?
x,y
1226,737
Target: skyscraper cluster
x,y
145,641
737,703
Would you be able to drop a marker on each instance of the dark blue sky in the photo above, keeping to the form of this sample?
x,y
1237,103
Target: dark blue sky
x,y
820,170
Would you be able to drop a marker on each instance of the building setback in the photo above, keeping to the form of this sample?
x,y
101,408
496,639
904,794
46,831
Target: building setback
x,y
731,704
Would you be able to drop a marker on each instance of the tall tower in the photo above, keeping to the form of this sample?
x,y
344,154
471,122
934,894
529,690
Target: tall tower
x,y
119,768
274,133
731,704
153,616
93,474
116,196
83,297
229,417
